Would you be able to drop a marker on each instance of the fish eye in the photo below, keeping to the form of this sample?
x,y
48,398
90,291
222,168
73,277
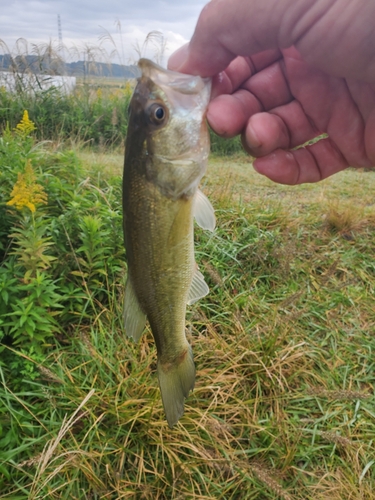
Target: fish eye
x,y
157,113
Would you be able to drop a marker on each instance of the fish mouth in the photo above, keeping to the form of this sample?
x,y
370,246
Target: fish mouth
x,y
185,84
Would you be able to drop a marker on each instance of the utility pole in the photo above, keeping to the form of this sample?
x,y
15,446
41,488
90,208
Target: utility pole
x,y
60,46
59,31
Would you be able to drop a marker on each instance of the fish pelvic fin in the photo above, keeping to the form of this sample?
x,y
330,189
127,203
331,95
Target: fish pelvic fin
x,y
134,317
176,380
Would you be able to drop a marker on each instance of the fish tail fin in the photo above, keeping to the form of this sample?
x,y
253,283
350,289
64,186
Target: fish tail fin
x,y
176,380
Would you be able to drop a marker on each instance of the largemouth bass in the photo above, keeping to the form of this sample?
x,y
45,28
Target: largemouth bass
x,y
166,152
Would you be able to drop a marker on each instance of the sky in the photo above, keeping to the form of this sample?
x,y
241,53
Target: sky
x,y
115,29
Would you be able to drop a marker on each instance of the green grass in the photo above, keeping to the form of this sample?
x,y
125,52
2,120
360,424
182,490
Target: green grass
x,y
91,114
284,344
94,114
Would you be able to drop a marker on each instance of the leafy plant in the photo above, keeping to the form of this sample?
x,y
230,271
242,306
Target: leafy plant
x,y
62,250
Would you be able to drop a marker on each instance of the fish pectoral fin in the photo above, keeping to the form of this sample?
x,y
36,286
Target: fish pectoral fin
x,y
198,288
176,380
203,211
134,317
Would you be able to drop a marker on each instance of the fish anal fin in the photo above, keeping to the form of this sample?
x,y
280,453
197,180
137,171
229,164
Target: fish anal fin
x,y
176,380
203,211
134,317
198,288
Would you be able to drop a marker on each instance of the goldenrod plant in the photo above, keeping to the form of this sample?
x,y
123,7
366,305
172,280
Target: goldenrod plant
x,y
25,126
26,191
45,284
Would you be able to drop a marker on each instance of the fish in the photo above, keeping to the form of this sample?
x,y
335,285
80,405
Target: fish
x,y
166,152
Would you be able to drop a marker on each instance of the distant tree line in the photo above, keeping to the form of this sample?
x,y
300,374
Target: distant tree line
x,y
54,65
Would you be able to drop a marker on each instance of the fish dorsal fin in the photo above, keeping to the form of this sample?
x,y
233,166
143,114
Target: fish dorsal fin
x,y
134,317
198,288
203,211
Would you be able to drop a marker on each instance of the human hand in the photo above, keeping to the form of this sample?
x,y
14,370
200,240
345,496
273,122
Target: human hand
x,y
286,72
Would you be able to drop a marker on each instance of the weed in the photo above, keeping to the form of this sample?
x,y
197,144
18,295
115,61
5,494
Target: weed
x,y
56,267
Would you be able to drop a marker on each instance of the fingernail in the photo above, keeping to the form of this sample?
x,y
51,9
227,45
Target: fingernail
x,y
252,138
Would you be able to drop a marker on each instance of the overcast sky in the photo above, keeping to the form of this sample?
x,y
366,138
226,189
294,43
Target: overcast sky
x,y
91,23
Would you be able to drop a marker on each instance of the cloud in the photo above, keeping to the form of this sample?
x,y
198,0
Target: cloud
x,y
95,22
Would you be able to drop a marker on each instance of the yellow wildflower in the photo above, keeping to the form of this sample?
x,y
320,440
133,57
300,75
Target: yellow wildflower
x,y
26,191
128,88
99,93
25,126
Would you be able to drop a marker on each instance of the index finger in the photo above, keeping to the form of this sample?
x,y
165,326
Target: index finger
x,y
227,29
240,70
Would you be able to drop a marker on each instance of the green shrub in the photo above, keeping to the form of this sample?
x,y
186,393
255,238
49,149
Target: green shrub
x,y
61,248
91,115
88,115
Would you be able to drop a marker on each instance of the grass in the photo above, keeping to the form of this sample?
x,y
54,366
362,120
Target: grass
x,y
283,406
